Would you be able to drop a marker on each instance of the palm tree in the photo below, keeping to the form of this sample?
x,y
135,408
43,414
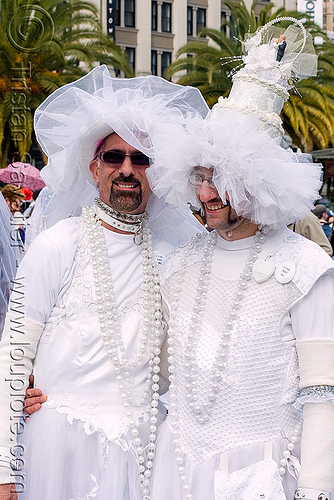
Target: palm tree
x,y
307,116
45,44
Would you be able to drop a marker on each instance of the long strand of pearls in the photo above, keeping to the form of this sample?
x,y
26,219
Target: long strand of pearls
x,y
203,409
112,335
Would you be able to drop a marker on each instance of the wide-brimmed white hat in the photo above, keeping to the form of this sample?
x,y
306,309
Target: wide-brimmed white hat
x,y
71,122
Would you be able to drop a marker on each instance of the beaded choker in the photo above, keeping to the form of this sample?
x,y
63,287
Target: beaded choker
x,y
129,223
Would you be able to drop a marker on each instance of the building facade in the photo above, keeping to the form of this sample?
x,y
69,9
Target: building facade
x,y
328,7
152,31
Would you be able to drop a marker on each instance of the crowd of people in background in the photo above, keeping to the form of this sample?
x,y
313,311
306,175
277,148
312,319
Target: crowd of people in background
x,y
21,202
16,209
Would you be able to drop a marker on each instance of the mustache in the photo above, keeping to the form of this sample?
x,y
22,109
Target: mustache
x,y
219,200
130,178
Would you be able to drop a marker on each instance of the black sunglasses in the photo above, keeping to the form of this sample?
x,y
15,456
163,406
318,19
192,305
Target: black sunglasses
x,y
117,158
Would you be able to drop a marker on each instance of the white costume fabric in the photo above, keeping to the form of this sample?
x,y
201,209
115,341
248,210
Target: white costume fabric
x,y
36,223
79,445
9,257
237,453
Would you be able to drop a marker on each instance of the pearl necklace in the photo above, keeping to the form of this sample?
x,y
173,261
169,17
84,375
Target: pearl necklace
x,y
203,410
112,335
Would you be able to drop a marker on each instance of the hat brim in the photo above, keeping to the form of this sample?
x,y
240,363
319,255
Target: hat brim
x,y
88,145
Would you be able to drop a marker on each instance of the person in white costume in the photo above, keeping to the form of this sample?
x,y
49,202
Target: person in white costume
x,y
86,311
251,411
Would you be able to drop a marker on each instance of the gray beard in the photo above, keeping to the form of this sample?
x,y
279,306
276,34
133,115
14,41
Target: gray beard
x,y
125,202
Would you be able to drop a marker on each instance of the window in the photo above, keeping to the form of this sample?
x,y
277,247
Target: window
x,y
166,59
131,53
223,19
200,20
233,29
154,62
166,17
190,24
154,16
190,56
117,13
129,13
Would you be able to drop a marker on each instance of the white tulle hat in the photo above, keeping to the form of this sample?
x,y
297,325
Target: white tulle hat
x,y
240,138
72,121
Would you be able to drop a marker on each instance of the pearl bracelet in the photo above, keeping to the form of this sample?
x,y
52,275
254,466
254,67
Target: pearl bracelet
x,y
310,494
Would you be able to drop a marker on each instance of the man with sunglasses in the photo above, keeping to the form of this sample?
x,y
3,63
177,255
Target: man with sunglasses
x,y
89,286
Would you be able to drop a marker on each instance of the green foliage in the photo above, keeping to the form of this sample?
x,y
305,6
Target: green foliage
x,y
308,117
44,45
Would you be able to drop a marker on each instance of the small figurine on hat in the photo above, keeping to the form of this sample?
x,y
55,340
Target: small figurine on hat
x,y
280,45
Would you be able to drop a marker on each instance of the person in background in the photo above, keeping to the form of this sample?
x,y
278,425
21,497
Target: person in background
x,y
325,219
27,200
310,227
13,197
9,259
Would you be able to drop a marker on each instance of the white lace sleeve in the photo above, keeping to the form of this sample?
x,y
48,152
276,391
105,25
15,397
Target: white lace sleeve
x,y
315,394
